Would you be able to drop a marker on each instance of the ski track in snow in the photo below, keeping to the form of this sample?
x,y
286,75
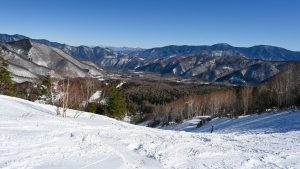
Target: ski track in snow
x,y
32,136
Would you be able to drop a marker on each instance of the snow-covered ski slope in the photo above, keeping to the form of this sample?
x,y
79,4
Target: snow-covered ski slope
x,y
270,122
32,136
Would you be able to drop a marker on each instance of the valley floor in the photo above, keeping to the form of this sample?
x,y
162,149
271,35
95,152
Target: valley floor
x,y
32,136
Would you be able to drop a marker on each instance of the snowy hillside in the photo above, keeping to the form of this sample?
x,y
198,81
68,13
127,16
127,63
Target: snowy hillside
x,y
271,122
32,136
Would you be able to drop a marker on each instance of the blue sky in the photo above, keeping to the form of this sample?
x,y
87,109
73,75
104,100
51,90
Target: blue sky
x,y
154,23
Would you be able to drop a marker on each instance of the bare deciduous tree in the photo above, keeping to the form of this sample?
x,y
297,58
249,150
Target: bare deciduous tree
x,y
64,100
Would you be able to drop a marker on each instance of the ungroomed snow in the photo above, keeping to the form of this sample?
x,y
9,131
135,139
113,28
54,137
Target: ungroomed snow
x,y
32,136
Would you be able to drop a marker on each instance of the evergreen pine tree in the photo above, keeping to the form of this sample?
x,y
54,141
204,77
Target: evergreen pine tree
x,y
6,84
116,106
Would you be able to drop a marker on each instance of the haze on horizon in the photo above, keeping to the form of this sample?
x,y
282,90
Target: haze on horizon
x,y
155,23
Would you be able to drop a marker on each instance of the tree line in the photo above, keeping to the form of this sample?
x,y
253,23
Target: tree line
x,y
282,91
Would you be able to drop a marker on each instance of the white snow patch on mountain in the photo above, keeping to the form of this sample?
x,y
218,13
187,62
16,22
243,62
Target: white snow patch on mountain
x,y
18,71
120,84
32,136
95,96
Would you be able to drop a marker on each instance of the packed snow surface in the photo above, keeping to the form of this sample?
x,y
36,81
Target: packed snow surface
x,y
271,122
32,136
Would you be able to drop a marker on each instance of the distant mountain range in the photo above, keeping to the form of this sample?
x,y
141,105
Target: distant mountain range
x,y
217,63
236,69
262,52
124,50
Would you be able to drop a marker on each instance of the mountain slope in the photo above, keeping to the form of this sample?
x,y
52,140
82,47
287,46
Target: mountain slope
x,y
255,73
38,59
231,69
267,122
97,54
32,136
11,38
